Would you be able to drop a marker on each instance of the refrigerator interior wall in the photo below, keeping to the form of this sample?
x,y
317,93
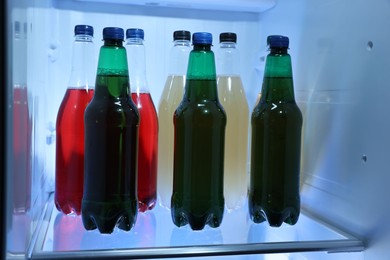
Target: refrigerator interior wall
x,y
26,163
340,52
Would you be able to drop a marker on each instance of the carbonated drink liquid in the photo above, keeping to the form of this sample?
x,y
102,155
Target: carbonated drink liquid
x,y
70,150
21,150
147,151
169,101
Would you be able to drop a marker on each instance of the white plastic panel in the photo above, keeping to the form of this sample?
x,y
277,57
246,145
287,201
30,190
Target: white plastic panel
x,y
26,176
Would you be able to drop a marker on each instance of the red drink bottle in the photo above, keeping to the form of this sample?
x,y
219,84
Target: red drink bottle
x,y
21,149
22,125
148,129
69,174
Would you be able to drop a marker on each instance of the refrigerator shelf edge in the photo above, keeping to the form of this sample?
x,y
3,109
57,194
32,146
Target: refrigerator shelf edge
x,y
38,236
253,6
258,239
202,251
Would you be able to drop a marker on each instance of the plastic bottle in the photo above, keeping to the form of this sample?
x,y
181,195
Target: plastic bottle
x,y
111,136
170,99
232,97
148,128
69,175
276,142
199,124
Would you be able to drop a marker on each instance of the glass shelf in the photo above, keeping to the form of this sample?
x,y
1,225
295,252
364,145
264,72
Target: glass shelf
x,y
154,235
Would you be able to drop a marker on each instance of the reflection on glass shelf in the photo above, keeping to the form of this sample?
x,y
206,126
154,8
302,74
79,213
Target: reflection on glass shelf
x,y
154,234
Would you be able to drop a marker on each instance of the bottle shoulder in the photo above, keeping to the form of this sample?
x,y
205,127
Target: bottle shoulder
x,y
280,109
105,106
75,99
205,107
112,118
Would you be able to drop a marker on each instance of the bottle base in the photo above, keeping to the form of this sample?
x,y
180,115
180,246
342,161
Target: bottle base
x,y
232,205
70,207
197,221
105,216
145,206
275,218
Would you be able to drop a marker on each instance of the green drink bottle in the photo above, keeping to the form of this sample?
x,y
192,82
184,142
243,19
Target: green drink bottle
x,y
276,143
199,138
111,143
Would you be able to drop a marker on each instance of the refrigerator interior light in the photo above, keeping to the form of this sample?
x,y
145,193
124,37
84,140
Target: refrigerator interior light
x,y
254,6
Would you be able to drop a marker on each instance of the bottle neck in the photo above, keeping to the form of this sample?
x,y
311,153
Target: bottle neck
x,y
112,59
112,78
83,63
179,57
278,50
113,42
201,63
137,65
278,78
201,83
83,38
183,43
228,59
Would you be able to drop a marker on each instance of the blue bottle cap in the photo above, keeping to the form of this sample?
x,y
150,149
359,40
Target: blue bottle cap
x,y
135,33
113,33
277,41
181,35
83,29
228,37
202,38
